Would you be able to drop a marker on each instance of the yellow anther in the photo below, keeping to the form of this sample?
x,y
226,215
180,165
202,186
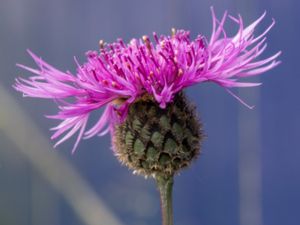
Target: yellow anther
x,y
145,38
175,59
173,31
147,42
180,72
114,84
119,101
101,44
163,44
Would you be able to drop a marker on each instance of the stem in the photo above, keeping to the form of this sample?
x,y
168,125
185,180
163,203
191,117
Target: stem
x,y
165,186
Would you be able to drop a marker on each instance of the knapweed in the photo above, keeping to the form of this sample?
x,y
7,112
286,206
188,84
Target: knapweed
x,y
154,128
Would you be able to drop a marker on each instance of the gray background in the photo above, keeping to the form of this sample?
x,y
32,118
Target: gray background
x,y
248,173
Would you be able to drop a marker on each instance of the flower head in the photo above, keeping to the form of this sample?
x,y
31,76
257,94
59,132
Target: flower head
x,y
120,74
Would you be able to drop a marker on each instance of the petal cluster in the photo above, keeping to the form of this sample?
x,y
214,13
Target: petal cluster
x,y
119,74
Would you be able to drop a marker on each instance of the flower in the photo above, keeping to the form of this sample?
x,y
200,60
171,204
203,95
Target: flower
x,y
120,74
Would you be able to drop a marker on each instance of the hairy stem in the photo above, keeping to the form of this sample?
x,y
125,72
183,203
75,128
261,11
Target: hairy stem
x,y
165,186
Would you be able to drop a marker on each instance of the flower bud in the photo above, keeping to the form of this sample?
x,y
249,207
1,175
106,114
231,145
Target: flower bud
x,y
155,141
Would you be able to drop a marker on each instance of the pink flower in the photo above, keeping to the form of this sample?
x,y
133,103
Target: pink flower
x,y
121,73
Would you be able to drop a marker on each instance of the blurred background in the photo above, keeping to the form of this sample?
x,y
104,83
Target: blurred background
x,y
249,172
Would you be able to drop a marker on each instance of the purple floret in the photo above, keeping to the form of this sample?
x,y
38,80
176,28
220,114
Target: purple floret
x,y
120,74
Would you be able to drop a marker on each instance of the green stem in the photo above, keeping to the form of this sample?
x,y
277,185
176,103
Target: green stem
x,y
165,186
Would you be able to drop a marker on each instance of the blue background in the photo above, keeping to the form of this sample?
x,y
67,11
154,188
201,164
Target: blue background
x,y
249,172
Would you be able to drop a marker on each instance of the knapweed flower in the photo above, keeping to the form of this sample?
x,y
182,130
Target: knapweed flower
x,y
143,81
